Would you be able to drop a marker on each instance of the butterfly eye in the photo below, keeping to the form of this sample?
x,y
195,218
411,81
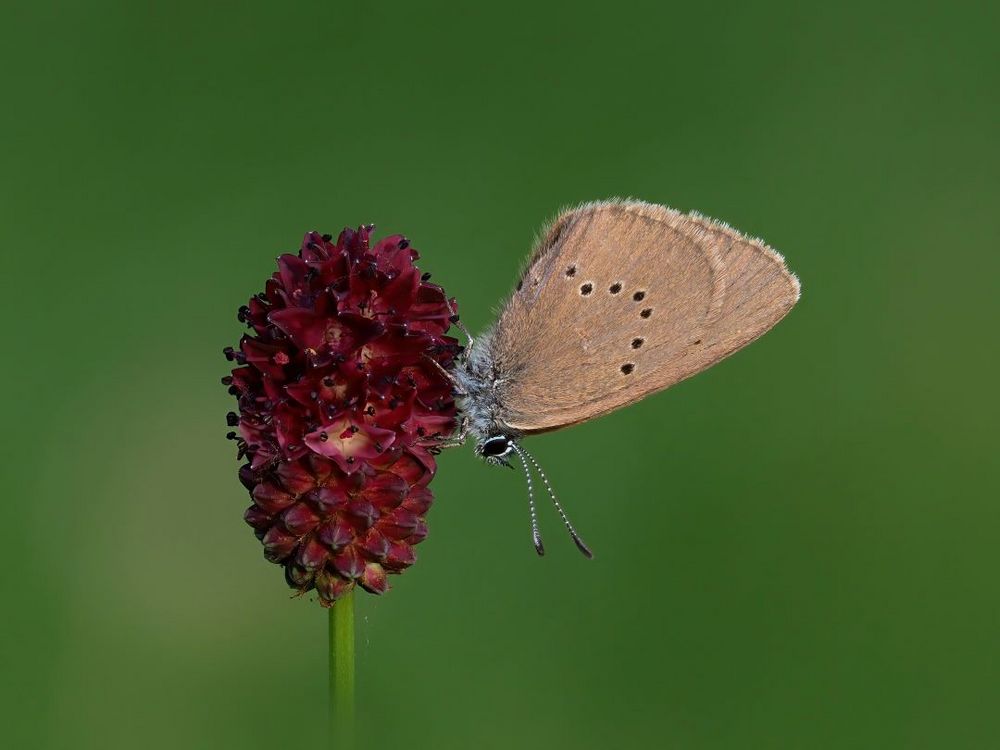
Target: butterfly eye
x,y
495,446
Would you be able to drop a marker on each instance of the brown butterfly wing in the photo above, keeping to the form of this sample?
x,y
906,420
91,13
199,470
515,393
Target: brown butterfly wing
x,y
623,299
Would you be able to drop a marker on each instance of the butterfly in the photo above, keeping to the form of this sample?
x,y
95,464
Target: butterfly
x,y
620,299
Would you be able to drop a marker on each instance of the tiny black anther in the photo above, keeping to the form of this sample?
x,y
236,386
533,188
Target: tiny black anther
x,y
328,382
646,313
227,379
378,447
232,419
627,368
615,288
453,319
261,297
354,429
370,411
639,296
571,271
233,391
636,343
404,243
425,277
323,437
230,436
586,289
421,431
327,237
229,353
243,313
350,459
293,447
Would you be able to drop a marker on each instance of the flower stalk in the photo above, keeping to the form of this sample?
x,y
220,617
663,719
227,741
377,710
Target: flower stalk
x,y
341,637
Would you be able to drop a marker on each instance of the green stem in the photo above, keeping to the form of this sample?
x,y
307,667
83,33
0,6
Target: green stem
x,y
342,672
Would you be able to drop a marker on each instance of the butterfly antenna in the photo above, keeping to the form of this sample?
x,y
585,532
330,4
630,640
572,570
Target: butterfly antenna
x,y
536,535
580,544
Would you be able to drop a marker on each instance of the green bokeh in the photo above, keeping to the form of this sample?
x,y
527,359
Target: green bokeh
x,y
796,549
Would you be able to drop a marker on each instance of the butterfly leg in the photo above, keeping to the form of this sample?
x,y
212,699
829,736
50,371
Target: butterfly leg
x,y
439,443
458,321
450,377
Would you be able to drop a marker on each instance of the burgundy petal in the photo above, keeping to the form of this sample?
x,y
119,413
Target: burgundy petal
x,y
349,443
348,563
385,490
295,478
400,556
374,579
299,519
278,544
271,498
336,533
306,329
331,586
312,554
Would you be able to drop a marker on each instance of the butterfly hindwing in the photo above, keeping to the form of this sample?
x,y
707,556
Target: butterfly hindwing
x,y
623,299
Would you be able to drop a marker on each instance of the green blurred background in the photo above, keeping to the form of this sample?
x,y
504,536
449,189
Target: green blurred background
x,y
796,549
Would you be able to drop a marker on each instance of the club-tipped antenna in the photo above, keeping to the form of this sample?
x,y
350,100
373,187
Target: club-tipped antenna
x,y
580,544
536,535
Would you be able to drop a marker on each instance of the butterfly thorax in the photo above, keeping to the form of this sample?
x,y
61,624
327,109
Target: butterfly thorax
x,y
481,403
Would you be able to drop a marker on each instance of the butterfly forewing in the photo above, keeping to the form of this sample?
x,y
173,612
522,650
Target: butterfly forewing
x,y
623,299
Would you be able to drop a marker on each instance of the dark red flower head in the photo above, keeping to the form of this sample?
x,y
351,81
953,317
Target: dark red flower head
x,y
339,402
